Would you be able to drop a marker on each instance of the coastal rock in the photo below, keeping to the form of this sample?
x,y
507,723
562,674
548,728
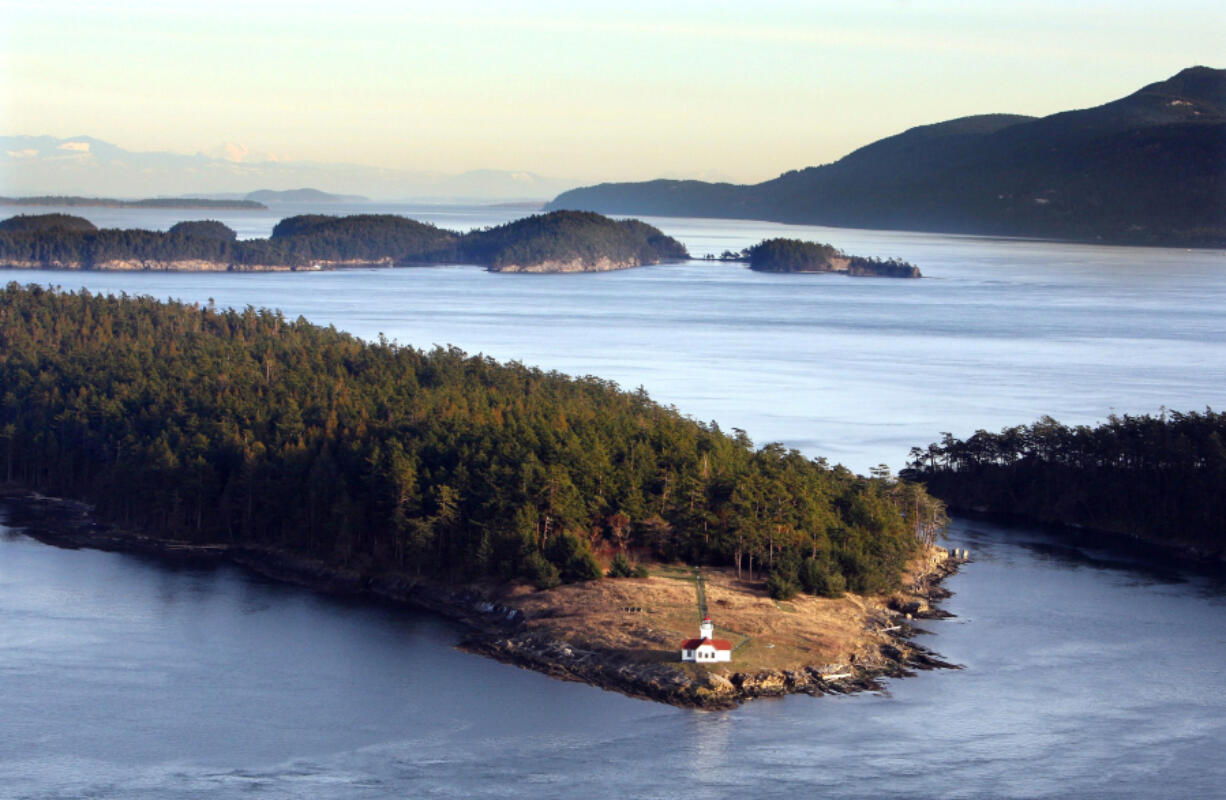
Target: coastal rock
x,y
576,265
771,683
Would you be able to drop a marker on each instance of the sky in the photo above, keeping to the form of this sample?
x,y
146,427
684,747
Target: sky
x,y
629,90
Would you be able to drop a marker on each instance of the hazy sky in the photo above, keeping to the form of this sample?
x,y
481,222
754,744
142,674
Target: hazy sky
x,y
624,90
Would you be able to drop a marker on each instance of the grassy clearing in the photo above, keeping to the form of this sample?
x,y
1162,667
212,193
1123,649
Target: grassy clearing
x,y
646,619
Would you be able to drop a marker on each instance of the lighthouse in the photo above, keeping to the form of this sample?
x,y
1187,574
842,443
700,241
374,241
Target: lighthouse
x,y
706,649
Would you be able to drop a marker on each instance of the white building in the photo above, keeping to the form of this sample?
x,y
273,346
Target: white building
x,y
706,649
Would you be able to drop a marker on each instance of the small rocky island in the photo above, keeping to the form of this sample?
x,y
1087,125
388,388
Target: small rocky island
x,y
794,255
560,241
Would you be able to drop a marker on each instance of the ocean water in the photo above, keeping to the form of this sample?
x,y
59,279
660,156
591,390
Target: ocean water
x,y
856,370
1091,671
1088,673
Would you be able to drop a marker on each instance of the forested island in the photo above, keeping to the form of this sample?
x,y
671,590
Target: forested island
x,y
495,492
1160,478
153,202
794,255
564,241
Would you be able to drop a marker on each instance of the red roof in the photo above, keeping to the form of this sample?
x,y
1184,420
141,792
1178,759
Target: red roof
x,y
718,644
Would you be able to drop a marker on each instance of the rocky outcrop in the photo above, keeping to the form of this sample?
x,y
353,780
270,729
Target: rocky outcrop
x,y
189,265
575,265
697,687
201,265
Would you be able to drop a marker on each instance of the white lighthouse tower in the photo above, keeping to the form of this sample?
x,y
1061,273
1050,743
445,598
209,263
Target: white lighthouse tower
x,y
706,648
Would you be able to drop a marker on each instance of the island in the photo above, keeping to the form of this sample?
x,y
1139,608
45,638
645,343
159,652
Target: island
x,y
794,255
153,202
577,528
1160,478
560,241
303,196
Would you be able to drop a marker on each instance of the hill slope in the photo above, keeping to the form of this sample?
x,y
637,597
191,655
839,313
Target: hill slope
x,y
1149,168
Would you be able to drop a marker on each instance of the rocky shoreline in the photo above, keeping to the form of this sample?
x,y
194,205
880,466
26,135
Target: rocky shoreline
x,y
574,265
498,630
189,265
202,265
888,652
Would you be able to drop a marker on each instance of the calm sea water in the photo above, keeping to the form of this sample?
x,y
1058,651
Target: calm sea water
x,y
1090,672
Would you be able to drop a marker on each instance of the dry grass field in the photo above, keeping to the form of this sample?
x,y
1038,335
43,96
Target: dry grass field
x,y
646,619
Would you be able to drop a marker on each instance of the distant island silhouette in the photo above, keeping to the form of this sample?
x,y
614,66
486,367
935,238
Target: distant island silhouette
x,y
562,241
1146,169
558,241
303,196
248,204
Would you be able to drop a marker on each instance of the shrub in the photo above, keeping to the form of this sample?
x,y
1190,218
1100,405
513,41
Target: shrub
x,y
620,568
543,574
818,578
573,558
780,587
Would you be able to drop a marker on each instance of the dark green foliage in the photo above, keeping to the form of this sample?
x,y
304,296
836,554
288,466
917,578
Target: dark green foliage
x,y
877,268
362,237
781,586
568,236
207,228
791,255
1148,168
1157,477
540,572
783,583
241,426
43,223
621,567
573,558
301,241
821,578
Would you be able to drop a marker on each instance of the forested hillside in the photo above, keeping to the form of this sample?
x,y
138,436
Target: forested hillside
x,y
570,236
1149,168
1157,477
214,425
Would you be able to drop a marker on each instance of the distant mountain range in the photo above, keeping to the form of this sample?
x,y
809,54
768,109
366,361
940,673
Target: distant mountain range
x,y
83,165
1149,168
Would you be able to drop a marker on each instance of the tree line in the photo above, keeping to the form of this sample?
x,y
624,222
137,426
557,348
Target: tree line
x,y
241,426
1157,477
300,241
794,255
